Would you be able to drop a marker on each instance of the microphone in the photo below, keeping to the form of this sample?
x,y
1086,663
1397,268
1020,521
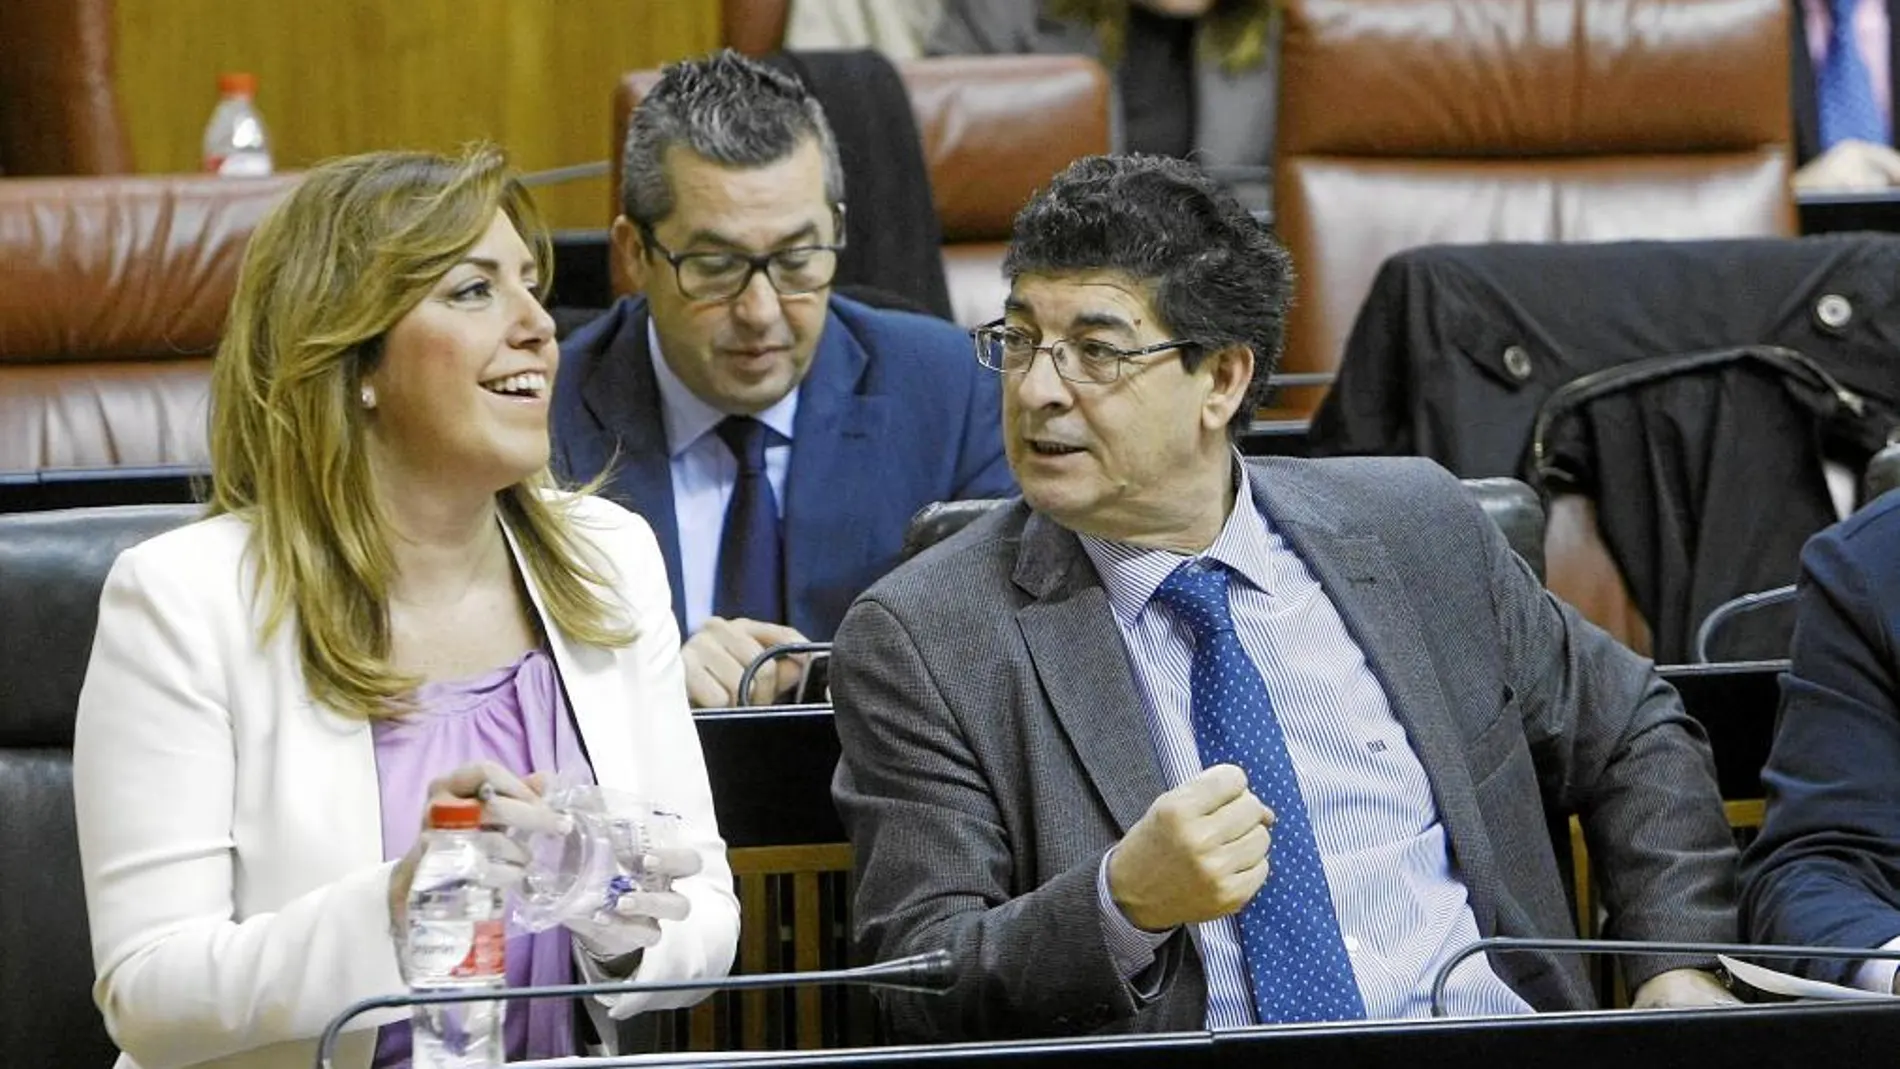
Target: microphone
x,y
927,972
1507,944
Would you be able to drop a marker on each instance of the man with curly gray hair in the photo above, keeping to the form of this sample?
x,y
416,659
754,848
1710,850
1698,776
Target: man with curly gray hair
x,y
1184,740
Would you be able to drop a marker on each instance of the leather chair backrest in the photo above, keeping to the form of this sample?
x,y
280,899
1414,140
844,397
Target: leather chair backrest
x,y
1415,122
754,27
995,128
1514,507
1511,505
61,115
1882,474
940,519
113,294
52,567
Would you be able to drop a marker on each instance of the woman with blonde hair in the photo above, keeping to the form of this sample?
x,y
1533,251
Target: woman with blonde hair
x,y
389,602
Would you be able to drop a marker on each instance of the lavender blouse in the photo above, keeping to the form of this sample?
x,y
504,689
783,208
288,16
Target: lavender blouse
x,y
517,717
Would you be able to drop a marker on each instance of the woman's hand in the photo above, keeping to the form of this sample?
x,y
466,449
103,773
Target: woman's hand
x,y
507,802
633,922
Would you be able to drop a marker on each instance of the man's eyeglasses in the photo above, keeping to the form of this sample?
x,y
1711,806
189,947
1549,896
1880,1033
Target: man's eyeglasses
x,y
721,276
1011,350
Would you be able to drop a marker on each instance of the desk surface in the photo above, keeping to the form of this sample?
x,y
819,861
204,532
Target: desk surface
x,y
771,773
1826,212
1741,1037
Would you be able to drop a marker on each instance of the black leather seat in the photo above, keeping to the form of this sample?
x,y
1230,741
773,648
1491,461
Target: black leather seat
x,y
52,566
1515,508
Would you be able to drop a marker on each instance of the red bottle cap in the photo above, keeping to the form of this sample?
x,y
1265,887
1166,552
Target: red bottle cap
x,y
455,813
237,84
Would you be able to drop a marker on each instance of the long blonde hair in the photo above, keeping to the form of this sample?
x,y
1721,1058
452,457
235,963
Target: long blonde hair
x,y
357,244
1236,37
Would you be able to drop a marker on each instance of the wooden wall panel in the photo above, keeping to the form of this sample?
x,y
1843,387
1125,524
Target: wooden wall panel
x,y
342,76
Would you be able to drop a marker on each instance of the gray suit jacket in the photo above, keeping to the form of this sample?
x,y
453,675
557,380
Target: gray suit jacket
x,y
995,747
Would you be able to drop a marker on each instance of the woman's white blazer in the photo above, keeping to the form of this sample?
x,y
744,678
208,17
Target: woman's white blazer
x,y
230,828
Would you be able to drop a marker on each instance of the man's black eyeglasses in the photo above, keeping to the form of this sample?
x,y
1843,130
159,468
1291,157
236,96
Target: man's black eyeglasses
x,y
1011,350
721,276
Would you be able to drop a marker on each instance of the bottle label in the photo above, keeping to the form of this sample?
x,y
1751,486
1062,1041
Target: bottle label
x,y
452,950
239,165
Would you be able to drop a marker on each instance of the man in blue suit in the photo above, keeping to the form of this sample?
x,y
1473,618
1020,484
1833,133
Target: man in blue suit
x,y
778,437
1825,870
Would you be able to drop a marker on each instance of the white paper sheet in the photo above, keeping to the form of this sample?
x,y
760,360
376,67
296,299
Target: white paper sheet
x,y
1781,983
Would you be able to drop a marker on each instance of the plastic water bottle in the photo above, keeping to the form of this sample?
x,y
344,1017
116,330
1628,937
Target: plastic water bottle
x,y
455,942
235,141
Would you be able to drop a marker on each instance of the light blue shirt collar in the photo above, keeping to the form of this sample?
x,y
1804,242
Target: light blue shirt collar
x,y
688,418
1132,573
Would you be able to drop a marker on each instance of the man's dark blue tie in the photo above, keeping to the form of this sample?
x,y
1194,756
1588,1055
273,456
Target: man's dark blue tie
x,y
1296,958
751,581
1844,88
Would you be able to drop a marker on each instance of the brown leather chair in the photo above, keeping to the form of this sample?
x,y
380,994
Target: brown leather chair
x,y
1412,122
754,27
59,112
113,292
994,129
1415,122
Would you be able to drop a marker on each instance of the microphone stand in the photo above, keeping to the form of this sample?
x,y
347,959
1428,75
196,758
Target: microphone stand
x,y
928,972
1618,947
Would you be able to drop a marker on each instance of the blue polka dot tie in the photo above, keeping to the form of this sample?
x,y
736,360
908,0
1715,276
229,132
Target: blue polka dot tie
x,y
1296,959
1844,88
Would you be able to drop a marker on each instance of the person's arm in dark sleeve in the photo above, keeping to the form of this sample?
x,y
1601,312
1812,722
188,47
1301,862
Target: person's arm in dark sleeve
x,y
1825,869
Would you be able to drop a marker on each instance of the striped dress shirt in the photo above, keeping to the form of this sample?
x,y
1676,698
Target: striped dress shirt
x,y
1402,908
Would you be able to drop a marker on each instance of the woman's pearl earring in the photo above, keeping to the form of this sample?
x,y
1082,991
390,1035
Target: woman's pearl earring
x,y
369,396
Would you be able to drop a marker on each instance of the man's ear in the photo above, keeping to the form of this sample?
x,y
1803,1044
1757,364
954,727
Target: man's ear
x,y
1231,373
630,252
